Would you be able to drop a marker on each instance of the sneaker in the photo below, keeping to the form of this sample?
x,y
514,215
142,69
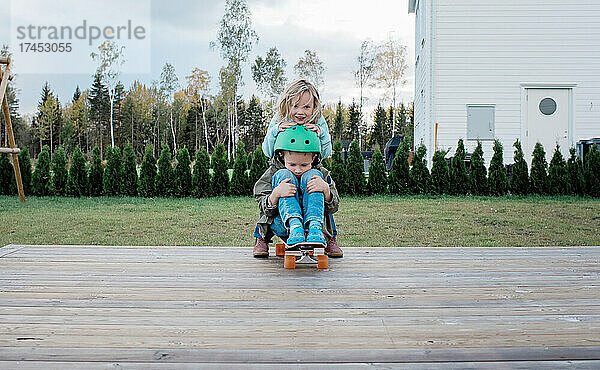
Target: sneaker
x,y
315,235
261,249
333,249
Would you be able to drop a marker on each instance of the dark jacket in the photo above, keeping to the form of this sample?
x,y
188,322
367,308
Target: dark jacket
x,y
263,188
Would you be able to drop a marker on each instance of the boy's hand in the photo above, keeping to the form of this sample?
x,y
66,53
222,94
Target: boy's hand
x,y
313,127
317,184
287,124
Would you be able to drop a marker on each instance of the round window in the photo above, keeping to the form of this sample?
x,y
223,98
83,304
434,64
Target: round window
x,y
548,106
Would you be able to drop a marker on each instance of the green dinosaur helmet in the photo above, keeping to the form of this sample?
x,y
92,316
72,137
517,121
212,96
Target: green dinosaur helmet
x,y
298,139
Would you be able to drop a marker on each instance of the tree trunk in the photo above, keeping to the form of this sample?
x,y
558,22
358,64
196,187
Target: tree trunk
x,y
112,133
205,127
173,132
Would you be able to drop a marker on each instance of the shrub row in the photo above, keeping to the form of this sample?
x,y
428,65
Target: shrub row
x,y
209,176
560,177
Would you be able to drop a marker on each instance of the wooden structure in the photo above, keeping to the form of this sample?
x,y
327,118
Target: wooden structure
x,y
13,150
98,307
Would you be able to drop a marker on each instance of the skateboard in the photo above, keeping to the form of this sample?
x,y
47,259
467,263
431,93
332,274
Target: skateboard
x,y
306,253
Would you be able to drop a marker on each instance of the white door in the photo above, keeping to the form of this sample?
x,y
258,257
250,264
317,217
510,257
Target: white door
x,y
547,121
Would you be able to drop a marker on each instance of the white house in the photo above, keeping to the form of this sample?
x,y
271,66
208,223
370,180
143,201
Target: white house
x,y
510,69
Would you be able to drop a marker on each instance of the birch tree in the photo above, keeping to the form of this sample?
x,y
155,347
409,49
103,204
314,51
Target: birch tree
x,y
390,67
311,68
364,73
168,84
235,38
197,87
269,74
110,59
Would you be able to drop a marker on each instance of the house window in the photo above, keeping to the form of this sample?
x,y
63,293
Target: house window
x,y
548,106
480,122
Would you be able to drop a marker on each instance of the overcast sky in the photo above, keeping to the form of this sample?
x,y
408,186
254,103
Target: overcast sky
x,y
181,31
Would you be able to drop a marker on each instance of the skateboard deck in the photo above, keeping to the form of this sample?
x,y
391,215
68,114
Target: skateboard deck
x,y
307,253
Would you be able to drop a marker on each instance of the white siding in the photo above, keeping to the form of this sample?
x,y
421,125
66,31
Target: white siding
x,y
422,74
483,50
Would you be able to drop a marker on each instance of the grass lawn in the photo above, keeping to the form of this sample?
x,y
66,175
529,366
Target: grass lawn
x,y
369,221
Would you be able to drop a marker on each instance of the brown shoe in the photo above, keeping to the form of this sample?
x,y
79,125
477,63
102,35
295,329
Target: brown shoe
x,y
333,249
261,249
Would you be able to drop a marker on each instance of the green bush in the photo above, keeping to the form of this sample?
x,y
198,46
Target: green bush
x,y
558,179
377,177
459,179
478,181
420,179
220,178
96,174
7,176
40,181
440,177
183,174
201,175
240,183
355,167
575,174
399,173
258,166
519,180
591,172
112,174
539,168
165,177
59,172
129,175
148,174
25,167
498,179
338,168
77,182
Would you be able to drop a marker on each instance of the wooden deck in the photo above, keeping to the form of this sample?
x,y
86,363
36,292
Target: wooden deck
x,y
155,307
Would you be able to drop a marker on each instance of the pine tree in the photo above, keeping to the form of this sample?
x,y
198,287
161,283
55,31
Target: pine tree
x,y
96,174
355,167
498,179
519,180
558,181
183,174
440,176
129,176
40,181
478,172
240,184
59,172
25,166
148,174
165,177
459,179
111,180
420,179
539,168
258,166
399,173
201,174
377,177
591,172
575,174
380,132
77,182
338,168
220,178
7,176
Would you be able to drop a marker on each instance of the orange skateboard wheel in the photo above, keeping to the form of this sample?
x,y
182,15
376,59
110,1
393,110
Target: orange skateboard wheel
x,y
289,262
322,262
279,249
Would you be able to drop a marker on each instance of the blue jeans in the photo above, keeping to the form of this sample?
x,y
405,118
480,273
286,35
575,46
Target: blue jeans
x,y
305,206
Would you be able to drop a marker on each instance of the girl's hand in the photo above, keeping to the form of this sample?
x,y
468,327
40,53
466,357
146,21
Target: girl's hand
x,y
285,189
287,124
313,127
317,184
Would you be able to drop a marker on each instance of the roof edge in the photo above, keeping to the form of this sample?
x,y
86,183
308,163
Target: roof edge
x,y
412,5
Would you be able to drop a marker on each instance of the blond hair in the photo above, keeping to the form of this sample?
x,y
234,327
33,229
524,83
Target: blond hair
x,y
293,90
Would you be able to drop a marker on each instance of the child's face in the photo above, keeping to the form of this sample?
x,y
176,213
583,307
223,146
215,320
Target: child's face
x,y
298,162
302,107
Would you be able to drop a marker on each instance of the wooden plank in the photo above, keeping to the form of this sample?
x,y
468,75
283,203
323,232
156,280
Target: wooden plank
x,y
321,356
10,249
